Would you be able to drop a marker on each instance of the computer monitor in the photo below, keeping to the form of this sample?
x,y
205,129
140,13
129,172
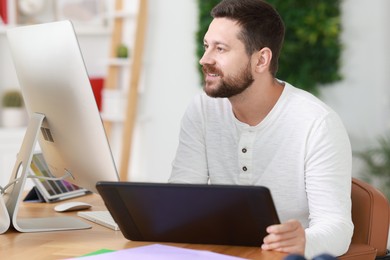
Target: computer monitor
x,y
63,113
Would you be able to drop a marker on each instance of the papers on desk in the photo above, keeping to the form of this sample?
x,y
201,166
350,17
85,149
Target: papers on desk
x,y
160,252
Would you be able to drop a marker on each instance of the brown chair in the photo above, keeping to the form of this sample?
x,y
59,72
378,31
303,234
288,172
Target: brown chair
x,y
370,215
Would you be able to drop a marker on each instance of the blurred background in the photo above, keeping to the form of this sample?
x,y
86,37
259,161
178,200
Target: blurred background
x,y
355,31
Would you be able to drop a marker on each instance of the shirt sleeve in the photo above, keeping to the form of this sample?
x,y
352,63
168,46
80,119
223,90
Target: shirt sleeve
x,y
328,186
190,163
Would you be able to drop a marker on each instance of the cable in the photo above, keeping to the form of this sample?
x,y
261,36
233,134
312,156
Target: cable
x,y
4,189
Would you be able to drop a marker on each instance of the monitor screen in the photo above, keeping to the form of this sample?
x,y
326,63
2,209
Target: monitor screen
x,y
54,82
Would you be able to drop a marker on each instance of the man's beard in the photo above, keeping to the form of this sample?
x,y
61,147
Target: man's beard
x,y
230,85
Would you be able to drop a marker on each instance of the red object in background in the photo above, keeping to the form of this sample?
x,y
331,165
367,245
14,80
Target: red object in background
x,y
3,11
97,87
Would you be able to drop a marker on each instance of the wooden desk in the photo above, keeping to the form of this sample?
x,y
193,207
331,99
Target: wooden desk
x,y
66,244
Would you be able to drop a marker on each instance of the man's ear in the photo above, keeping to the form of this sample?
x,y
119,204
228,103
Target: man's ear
x,y
262,60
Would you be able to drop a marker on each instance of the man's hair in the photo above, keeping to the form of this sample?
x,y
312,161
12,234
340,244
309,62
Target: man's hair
x,y
261,25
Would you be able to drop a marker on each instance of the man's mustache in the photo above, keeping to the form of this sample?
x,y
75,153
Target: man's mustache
x,y
209,69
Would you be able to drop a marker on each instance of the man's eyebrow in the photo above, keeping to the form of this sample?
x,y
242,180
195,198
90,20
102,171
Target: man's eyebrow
x,y
216,43
221,43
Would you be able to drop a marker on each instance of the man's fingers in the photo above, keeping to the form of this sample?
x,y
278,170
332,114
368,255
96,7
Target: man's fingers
x,y
278,237
288,237
287,226
287,246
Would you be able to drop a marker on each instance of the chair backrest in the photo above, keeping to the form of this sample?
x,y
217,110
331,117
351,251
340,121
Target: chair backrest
x,y
370,215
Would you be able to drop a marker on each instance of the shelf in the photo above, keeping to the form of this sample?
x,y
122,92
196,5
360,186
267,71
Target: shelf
x,y
119,61
112,118
12,131
92,31
120,14
5,27
11,136
82,31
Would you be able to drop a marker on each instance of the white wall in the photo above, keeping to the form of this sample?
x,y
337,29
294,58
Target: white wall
x,y
170,81
362,98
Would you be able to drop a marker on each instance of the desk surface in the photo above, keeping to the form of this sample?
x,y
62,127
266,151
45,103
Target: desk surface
x,y
66,244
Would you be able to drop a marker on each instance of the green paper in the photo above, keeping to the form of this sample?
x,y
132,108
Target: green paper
x,y
100,251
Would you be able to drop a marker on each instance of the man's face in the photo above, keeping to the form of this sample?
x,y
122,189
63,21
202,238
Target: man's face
x,y
226,65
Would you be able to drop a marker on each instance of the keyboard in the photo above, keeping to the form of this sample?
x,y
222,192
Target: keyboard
x,y
103,218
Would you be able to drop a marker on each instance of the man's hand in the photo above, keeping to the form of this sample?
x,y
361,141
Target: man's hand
x,y
288,237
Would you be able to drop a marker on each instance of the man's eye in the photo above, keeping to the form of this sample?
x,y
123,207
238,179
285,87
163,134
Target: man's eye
x,y
205,46
219,49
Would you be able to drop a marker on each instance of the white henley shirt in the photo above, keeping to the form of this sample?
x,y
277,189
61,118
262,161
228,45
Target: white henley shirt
x,y
300,151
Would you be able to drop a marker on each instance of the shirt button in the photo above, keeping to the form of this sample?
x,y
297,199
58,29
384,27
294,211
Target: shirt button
x,y
244,150
244,168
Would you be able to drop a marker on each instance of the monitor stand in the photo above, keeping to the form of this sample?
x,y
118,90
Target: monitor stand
x,y
5,222
13,199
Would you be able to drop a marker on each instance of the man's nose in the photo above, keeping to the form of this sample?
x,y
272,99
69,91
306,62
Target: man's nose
x,y
206,58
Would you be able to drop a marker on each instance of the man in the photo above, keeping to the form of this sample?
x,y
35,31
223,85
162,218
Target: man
x,y
252,129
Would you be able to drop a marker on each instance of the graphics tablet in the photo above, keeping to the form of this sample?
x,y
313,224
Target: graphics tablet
x,y
50,190
190,213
